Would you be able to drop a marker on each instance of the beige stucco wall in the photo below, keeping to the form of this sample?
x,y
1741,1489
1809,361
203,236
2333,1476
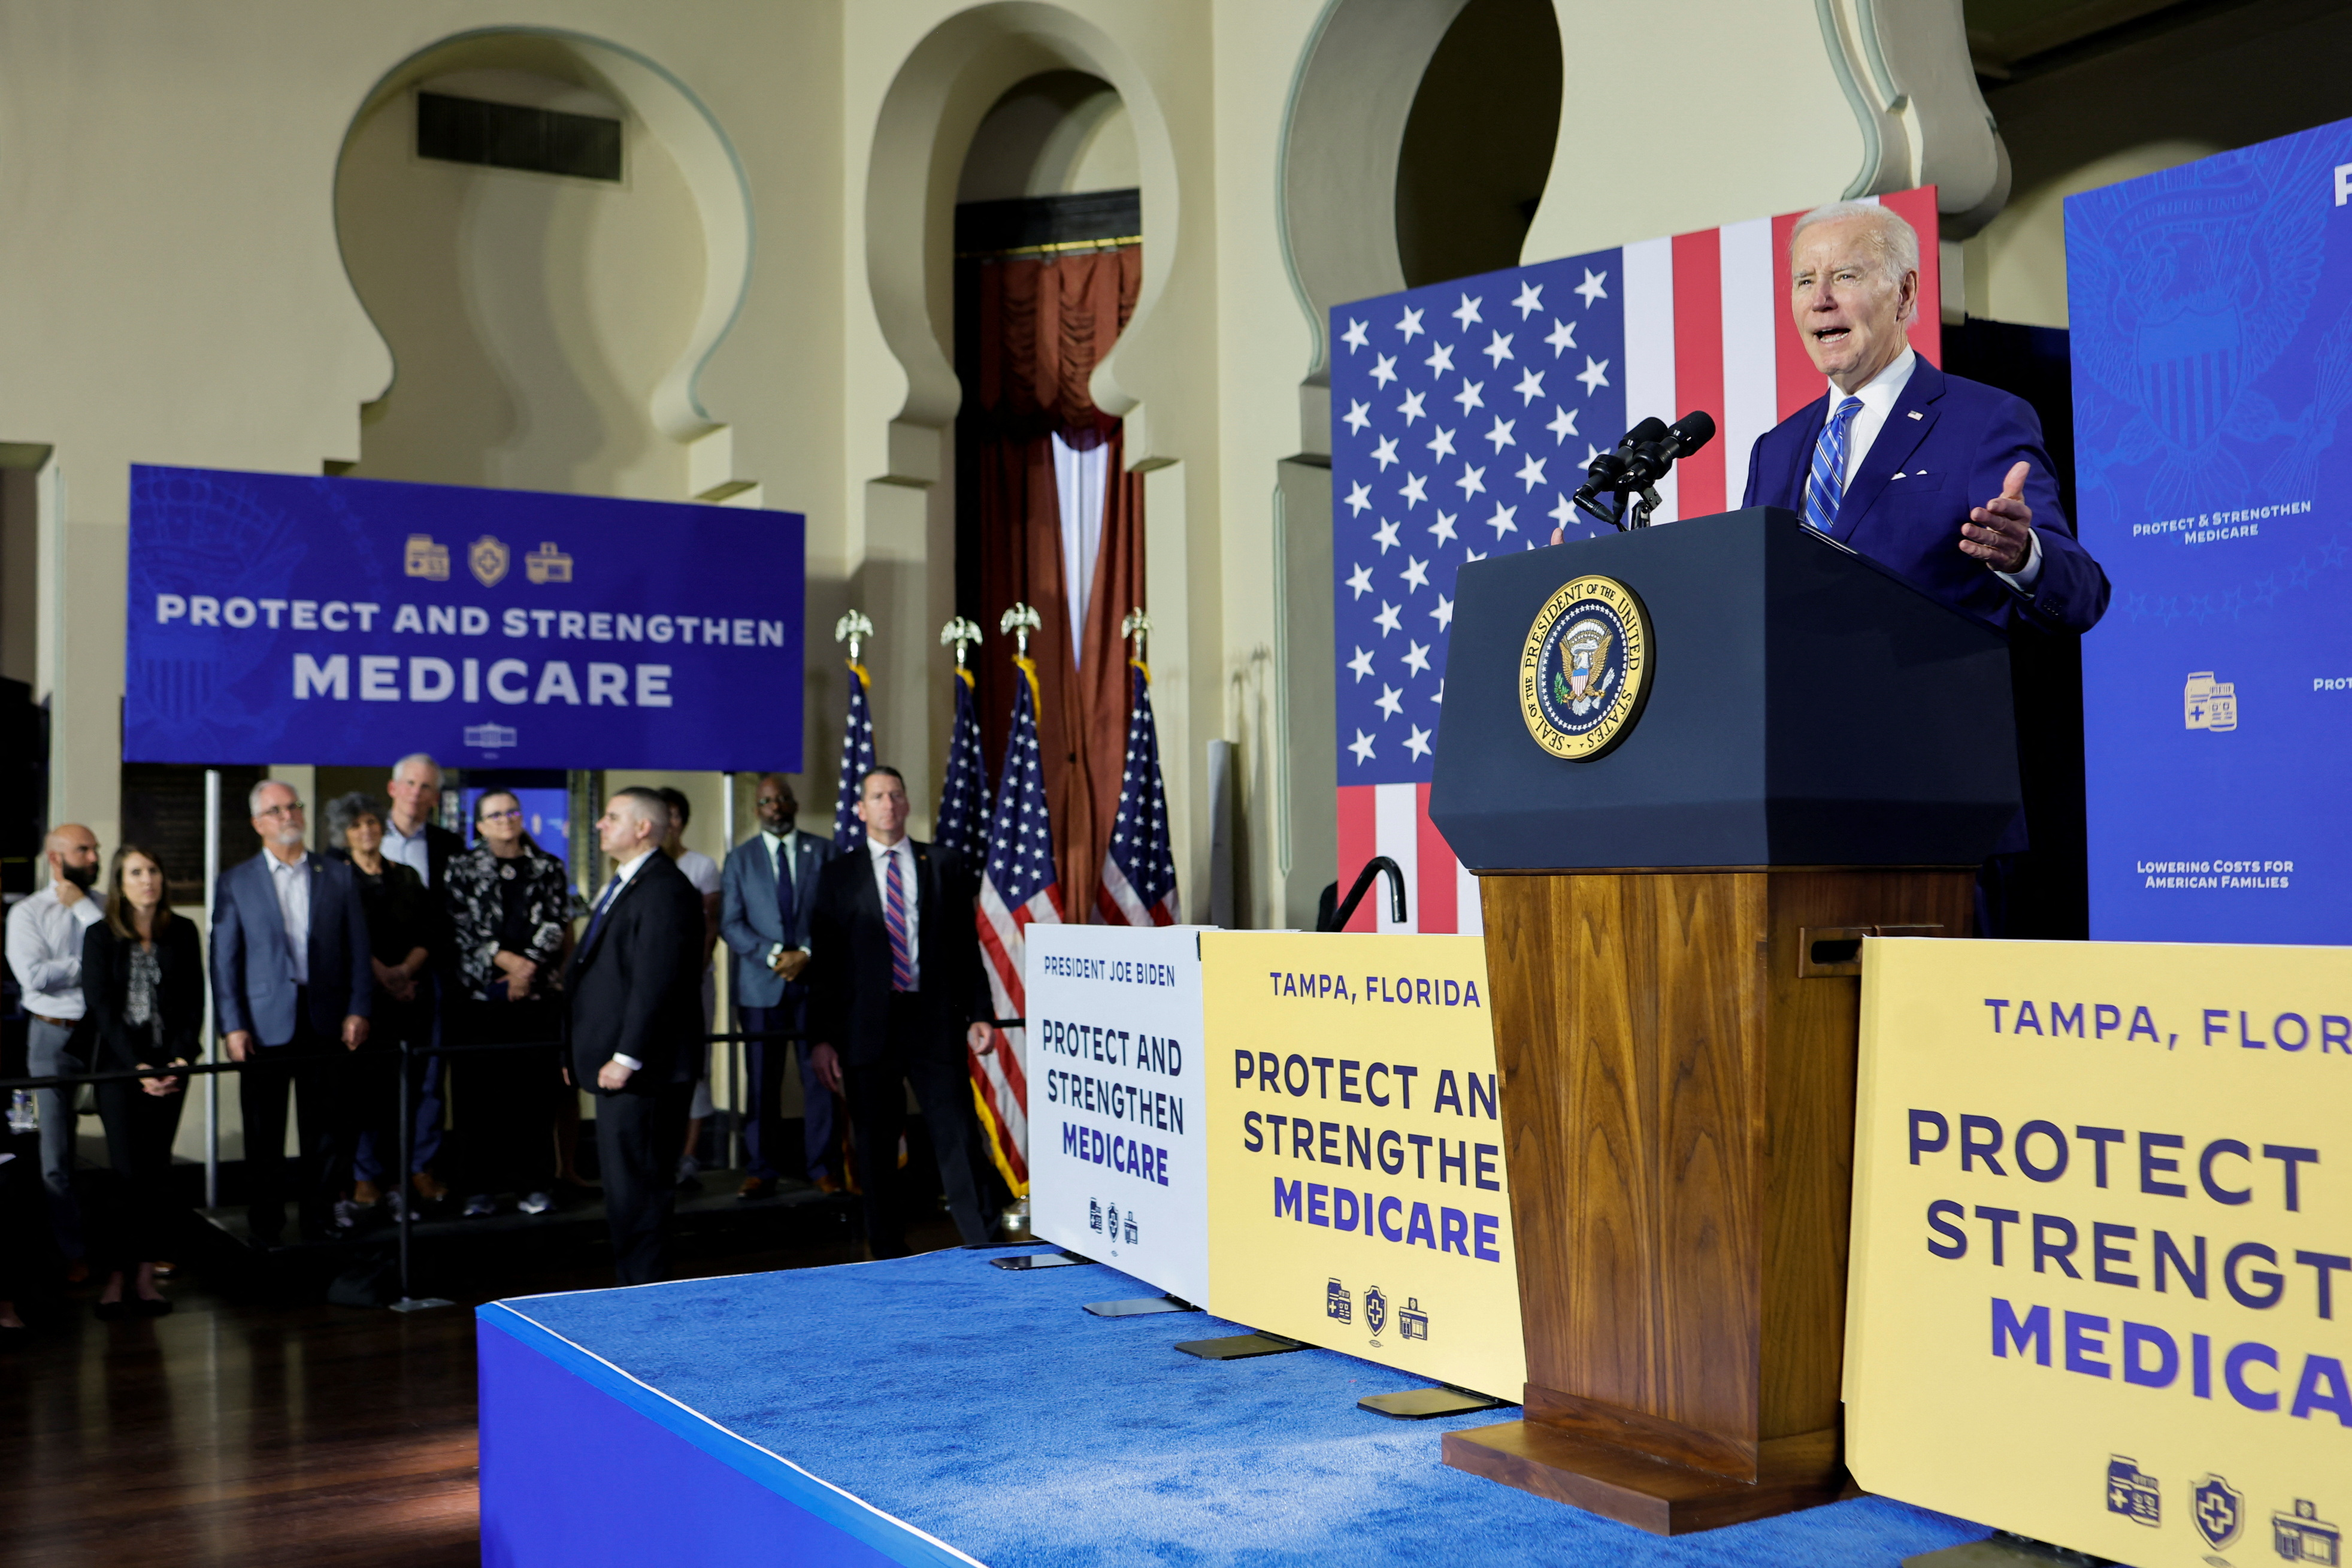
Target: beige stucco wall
x,y
169,175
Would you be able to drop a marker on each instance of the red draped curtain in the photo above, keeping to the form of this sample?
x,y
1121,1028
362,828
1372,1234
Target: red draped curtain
x,y
1040,327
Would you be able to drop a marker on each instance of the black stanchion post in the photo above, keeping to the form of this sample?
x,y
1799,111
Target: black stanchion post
x,y
404,1192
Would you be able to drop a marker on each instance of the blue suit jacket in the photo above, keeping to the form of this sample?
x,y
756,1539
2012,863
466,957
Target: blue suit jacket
x,y
253,968
747,912
1945,448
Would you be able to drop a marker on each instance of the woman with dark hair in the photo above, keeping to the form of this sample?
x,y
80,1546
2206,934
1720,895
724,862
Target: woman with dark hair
x,y
509,907
142,975
399,921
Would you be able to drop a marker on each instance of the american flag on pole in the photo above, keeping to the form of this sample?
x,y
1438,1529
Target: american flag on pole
x,y
856,762
1017,888
1462,416
1139,873
962,822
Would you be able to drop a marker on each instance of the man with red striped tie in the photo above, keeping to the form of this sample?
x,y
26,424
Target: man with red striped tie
x,y
895,991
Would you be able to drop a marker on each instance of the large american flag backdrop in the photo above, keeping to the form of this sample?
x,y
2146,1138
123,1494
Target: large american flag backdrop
x,y
1463,414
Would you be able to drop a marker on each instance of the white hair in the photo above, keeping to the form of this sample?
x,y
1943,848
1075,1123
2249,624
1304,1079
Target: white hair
x,y
417,759
253,796
1894,241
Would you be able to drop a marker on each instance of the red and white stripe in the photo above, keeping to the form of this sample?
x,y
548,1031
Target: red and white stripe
x,y
1121,904
1707,326
1001,1077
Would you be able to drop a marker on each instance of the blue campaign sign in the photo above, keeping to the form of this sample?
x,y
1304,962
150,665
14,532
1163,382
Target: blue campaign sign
x,y
277,618
2212,310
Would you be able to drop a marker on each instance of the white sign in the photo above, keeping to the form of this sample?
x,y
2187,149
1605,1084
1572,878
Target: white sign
x,y
1118,1140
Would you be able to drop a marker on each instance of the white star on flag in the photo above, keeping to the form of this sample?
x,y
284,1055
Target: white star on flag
x,y
1416,657
1385,535
1498,350
1411,407
1444,614
1563,510
1591,452
1531,472
1468,311
1595,374
1390,701
1440,357
1442,443
1505,520
1530,385
1530,299
1563,423
1414,491
1469,555
1361,579
1354,336
1472,481
1409,324
1385,452
1591,288
1443,526
1501,434
1468,397
1362,746
1418,742
1417,573
1384,370
1360,497
1561,336
1361,664
1387,619
1359,415
1439,695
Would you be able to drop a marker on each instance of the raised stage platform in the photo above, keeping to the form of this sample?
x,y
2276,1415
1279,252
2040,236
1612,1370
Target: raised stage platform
x,y
938,1410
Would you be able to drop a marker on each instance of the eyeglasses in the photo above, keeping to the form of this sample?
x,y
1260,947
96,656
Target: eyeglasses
x,y
501,815
291,808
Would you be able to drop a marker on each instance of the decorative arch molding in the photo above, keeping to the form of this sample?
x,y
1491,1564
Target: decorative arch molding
x,y
1342,134
687,130
1907,76
943,90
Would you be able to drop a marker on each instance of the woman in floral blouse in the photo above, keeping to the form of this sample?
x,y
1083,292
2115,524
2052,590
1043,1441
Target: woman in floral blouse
x,y
509,906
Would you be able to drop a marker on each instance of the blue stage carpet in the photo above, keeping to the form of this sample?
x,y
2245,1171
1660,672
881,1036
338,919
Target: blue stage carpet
x,y
984,1407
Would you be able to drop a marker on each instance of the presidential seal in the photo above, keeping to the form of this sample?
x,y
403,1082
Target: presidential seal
x,y
1585,671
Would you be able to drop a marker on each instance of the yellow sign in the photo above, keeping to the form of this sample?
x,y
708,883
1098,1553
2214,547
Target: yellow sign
x,y
1584,671
2102,1269
1356,1195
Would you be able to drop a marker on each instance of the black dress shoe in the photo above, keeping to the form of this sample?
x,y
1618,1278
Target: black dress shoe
x,y
107,1311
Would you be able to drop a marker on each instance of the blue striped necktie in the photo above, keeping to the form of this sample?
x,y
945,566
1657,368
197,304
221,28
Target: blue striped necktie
x,y
902,954
1826,489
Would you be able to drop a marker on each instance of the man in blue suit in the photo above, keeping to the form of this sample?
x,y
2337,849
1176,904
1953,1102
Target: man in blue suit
x,y
766,893
1889,459
292,987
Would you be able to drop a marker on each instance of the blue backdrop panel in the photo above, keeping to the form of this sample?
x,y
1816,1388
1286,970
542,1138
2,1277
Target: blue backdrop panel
x,y
275,618
562,1432
2211,308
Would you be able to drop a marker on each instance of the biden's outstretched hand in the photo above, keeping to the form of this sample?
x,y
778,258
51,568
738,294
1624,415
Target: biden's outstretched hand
x,y
2001,532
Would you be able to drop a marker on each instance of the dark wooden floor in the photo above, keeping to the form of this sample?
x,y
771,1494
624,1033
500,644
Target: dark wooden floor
x,y
259,1425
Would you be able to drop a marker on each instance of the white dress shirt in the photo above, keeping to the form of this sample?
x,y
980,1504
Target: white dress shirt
x,y
620,875
1879,395
781,847
910,888
292,886
410,850
45,949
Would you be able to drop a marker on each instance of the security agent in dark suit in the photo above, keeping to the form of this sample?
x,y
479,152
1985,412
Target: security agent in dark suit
x,y
293,987
897,992
634,1029
768,897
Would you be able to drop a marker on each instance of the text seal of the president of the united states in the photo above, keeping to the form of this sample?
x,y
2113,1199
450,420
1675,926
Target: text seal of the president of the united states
x,y
1585,669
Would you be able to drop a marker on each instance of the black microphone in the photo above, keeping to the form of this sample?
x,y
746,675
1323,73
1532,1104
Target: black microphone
x,y
1608,472
1650,462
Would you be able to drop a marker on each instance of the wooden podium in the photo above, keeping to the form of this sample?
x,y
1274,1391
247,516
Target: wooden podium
x,y
1673,948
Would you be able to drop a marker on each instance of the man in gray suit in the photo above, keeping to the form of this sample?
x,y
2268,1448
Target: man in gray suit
x,y
292,987
766,892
